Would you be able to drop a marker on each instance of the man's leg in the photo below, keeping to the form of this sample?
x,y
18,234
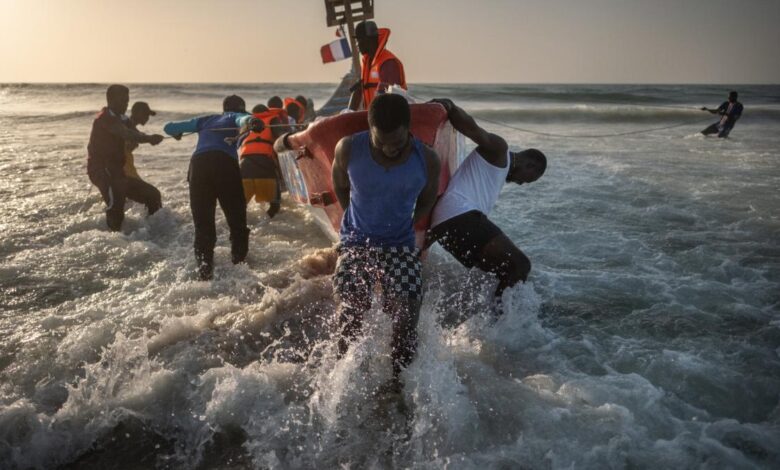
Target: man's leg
x,y
501,257
475,241
249,189
405,314
402,289
230,193
352,283
117,193
203,204
725,131
713,129
143,192
276,202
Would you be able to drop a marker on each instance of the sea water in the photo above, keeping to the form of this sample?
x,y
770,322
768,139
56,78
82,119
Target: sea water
x,y
648,335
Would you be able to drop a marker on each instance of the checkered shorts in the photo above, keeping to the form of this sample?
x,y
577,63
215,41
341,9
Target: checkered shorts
x,y
397,269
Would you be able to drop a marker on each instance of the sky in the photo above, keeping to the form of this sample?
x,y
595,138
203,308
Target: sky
x,y
439,41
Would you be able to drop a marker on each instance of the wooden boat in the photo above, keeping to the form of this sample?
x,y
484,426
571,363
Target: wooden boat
x,y
307,170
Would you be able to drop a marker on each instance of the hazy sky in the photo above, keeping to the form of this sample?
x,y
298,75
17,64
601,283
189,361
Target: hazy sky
x,y
537,41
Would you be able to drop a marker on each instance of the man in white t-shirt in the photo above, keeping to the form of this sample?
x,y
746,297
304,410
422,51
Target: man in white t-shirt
x,y
460,222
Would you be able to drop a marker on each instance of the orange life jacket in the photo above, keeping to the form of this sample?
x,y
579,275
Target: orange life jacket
x,y
281,113
369,73
302,109
260,143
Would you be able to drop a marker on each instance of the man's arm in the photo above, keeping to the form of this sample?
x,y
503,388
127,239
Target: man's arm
x,y
280,145
339,171
389,74
712,111
427,198
492,147
177,128
130,135
356,98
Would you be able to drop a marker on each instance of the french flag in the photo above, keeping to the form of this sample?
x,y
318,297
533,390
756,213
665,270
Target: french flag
x,y
336,50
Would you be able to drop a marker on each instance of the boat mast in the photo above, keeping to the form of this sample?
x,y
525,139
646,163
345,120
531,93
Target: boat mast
x,y
349,12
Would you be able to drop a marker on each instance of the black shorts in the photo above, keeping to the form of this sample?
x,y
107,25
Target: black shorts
x,y
465,236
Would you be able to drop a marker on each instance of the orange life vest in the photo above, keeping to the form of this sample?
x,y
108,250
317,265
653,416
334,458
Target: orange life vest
x,y
281,113
302,109
369,73
260,143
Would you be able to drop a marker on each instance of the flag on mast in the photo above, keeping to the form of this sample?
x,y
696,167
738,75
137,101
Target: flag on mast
x,y
336,50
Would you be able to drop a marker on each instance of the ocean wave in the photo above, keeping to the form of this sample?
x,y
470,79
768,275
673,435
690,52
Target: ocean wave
x,y
613,115
603,94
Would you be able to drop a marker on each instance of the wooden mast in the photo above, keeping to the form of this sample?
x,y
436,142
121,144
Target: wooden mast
x,y
348,12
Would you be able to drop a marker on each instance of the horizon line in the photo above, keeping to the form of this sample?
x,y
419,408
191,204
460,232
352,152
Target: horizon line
x,y
412,84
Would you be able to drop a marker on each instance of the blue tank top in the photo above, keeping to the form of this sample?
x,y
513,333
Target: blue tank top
x,y
210,140
382,200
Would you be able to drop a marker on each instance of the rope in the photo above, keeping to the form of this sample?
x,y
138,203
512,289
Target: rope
x,y
594,136
86,200
224,129
584,136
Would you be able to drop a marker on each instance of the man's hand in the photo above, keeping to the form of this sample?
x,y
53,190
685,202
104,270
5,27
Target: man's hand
x,y
358,85
177,136
155,139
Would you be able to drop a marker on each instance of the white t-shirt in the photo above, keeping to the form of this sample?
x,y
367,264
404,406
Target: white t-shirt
x,y
474,186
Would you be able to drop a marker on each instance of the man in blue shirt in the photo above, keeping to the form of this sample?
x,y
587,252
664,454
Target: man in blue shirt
x,y
214,176
385,180
730,111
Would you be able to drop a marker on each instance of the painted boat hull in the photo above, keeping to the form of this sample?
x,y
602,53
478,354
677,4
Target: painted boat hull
x,y
307,170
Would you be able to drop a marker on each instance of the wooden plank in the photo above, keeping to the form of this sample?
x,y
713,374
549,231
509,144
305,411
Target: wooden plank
x,y
335,11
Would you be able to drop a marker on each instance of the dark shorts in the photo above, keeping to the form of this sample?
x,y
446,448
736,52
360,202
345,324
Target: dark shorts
x,y
717,128
465,236
397,269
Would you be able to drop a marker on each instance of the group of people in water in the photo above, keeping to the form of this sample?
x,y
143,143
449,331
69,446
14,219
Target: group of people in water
x,y
384,178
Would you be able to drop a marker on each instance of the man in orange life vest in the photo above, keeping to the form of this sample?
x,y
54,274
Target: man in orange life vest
x,y
257,159
379,67
295,109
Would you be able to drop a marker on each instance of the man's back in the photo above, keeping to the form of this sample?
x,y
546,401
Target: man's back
x,y
105,149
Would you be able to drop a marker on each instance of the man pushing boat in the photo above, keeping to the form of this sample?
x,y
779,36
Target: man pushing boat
x,y
385,180
258,161
460,222
214,175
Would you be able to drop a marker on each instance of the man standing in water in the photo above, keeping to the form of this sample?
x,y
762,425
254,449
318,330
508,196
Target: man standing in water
x,y
379,69
147,194
214,176
730,111
106,156
385,180
258,161
460,222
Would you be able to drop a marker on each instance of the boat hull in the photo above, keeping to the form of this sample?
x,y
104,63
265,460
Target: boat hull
x,y
307,170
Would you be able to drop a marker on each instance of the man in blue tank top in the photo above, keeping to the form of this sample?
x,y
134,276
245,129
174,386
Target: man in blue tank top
x,y
386,180
214,176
